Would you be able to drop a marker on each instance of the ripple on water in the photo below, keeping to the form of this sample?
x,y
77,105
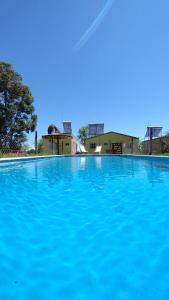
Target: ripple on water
x,y
82,230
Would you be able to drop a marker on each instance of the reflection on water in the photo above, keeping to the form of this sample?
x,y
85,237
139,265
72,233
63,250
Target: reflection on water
x,y
153,174
98,161
82,163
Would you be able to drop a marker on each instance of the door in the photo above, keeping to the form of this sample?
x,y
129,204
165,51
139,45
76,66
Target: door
x,y
116,148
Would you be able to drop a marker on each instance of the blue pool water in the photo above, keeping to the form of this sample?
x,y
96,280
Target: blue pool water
x,y
84,228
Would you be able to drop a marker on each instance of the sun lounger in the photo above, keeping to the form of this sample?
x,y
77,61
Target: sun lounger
x,y
98,149
82,149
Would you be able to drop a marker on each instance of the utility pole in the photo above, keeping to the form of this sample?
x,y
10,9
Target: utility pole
x,y
36,141
151,140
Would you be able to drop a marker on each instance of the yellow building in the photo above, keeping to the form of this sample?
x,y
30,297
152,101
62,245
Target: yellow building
x,y
113,143
59,143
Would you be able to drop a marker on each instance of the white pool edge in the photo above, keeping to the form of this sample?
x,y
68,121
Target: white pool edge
x,y
26,158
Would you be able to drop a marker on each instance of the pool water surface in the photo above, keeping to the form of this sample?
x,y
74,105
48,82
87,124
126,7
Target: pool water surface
x,y
84,228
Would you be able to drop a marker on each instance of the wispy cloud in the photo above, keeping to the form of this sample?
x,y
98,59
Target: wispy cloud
x,y
89,32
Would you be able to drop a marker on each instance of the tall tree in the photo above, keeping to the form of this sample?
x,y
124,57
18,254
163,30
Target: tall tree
x,y
17,113
82,134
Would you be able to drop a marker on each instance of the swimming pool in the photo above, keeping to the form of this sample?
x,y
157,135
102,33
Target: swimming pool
x,y
86,228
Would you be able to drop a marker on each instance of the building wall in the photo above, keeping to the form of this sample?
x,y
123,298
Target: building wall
x,y
107,139
73,145
66,145
156,146
159,145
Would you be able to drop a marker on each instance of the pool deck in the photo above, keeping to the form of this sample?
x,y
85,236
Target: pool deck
x,y
27,158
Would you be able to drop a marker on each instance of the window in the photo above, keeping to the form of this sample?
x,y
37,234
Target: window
x,y
67,144
105,144
92,146
127,145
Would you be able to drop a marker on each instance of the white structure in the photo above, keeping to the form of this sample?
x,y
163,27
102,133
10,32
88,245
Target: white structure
x,y
98,149
82,149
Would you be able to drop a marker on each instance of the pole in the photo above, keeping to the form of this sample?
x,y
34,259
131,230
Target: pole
x,y
36,141
151,141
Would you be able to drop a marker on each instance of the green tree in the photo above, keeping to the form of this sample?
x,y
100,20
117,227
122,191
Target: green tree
x,y
17,113
82,134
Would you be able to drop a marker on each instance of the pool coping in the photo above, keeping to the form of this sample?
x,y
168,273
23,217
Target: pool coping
x,y
25,158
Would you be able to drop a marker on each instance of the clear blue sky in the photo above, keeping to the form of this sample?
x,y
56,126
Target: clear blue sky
x,y
120,76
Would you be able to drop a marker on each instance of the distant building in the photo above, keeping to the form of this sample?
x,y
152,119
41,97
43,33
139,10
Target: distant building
x,y
113,143
157,145
60,143
95,129
151,145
